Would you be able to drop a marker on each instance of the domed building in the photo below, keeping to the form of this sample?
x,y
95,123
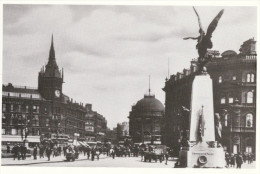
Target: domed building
x,y
146,120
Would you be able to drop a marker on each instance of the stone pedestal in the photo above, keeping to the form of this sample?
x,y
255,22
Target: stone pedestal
x,y
202,96
203,151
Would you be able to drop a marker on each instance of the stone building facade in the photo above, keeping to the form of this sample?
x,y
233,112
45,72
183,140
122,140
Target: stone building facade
x,y
44,110
234,92
146,120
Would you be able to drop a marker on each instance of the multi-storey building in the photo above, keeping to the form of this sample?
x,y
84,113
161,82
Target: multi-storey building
x,y
146,120
234,92
43,110
95,126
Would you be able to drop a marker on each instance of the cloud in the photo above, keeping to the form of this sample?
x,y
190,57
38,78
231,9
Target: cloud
x,y
107,52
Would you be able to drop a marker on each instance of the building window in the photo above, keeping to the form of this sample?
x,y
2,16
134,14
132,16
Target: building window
x,y
35,120
249,120
249,97
220,79
230,100
19,108
11,107
234,78
36,109
223,100
4,108
226,120
250,78
45,110
13,132
3,131
27,109
47,122
249,149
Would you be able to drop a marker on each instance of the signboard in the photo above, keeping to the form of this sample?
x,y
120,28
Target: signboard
x,y
89,128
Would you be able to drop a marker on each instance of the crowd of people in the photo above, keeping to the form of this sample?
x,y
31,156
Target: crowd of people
x,y
236,160
20,151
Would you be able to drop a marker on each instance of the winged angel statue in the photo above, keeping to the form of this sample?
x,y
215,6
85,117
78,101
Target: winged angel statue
x,y
204,39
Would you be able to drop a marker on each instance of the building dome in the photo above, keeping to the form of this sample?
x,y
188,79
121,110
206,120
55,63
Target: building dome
x,y
149,104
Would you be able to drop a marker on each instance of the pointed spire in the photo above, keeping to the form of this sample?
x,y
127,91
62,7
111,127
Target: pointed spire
x,y
52,52
149,86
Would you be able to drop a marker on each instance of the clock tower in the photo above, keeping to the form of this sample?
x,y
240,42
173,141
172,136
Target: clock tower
x,y
50,78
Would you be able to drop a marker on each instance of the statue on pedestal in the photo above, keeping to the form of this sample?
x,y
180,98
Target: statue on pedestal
x,y
204,39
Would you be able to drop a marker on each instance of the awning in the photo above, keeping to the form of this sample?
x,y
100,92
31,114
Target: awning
x,y
83,143
17,138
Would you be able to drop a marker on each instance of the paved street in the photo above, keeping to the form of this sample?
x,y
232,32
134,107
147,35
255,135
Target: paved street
x,y
103,162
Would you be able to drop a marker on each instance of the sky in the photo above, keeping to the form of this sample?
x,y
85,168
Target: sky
x,y
108,52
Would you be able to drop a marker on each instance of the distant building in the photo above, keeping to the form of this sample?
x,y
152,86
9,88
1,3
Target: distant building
x,y
95,126
122,130
146,120
234,90
43,110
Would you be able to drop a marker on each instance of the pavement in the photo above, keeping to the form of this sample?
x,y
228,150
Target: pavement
x,y
31,161
104,161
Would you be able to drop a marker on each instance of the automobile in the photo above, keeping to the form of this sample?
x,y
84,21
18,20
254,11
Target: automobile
x,y
72,156
157,153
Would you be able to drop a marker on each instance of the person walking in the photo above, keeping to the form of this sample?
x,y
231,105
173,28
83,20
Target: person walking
x,y
239,161
166,156
35,152
232,160
41,151
48,152
15,151
98,153
23,151
93,152
8,148
227,159
88,151
112,152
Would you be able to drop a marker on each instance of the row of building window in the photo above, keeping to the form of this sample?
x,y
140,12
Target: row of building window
x,y
248,123
250,78
21,95
18,108
249,98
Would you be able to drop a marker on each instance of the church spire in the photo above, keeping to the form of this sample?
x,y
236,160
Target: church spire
x,y
52,52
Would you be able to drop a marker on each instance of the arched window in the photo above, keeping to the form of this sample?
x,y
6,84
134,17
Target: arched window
x,y
248,78
47,122
252,78
249,120
249,97
220,79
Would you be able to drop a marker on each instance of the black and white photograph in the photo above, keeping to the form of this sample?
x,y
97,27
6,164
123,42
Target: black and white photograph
x,y
129,85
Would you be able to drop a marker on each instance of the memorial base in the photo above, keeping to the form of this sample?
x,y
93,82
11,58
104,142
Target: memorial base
x,y
203,156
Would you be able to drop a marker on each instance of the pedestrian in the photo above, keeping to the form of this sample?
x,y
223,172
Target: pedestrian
x,y
54,151
48,152
98,153
227,158
166,156
19,151
15,151
112,152
8,148
23,151
41,151
35,152
239,160
232,160
88,152
64,150
93,154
